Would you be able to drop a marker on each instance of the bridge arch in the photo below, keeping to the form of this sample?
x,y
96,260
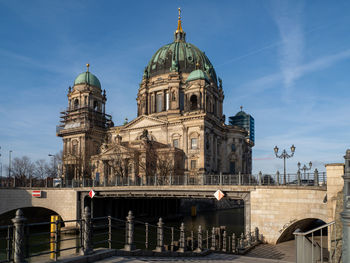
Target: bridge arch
x,y
304,225
33,214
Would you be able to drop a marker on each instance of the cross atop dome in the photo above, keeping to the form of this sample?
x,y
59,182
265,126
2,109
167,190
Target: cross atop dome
x,y
179,33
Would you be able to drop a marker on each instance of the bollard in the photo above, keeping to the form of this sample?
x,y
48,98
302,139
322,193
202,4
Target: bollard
x,y
207,239
239,178
220,179
277,178
200,240
146,236
229,244
182,247
260,177
18,221
224,247
54,236
213,243
129,233
160,236
233,243
192,241
172,239
249,239
87,246
256,234
241,245
316,180
299,180
109,232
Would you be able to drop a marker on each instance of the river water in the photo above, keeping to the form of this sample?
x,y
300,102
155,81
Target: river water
x,y
232,219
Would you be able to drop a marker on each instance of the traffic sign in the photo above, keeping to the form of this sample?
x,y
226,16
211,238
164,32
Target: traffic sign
x,y
36,193
218,195
92,193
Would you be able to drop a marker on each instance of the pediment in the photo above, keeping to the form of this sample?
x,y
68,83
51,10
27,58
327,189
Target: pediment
x,y
144,122
116,149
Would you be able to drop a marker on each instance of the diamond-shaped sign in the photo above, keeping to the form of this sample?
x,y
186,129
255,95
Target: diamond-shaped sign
x,y
92,193
218,195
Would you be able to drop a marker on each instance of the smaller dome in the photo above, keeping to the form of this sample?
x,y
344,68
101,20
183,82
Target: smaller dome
x,y
87,78
197,74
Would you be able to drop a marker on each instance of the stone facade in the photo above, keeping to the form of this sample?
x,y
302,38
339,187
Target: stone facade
x,y
179,106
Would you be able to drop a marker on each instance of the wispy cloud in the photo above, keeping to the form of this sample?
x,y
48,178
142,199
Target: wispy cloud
x,y
288,19
269,81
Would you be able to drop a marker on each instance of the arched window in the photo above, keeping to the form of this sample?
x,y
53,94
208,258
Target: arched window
x,y
193,102
95,105
74,148
76,104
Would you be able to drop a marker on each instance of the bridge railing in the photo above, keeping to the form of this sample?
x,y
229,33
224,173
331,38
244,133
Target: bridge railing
x,y
318,245
18,241
297,179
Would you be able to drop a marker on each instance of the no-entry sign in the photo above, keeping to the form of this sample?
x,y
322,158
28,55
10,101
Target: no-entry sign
x,y
92,193
36,193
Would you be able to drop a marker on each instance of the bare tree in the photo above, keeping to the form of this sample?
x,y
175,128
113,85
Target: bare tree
x,y
41,169
22,167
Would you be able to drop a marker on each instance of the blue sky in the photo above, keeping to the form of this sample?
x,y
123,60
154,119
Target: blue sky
x,y
286,62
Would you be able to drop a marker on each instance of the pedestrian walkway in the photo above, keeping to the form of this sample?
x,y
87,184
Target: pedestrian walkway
x,y
283,251
211,258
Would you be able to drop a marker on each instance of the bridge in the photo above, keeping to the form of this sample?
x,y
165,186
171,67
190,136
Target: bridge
x,y
277,210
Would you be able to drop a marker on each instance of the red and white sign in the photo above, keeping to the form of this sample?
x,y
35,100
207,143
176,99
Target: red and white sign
x,y
218,195
36,193
92,193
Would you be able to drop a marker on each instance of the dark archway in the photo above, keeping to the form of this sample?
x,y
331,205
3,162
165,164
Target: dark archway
x,y
32,214
193,102
304,225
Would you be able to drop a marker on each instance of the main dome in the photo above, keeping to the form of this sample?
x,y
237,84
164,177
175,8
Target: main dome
x,y
179,56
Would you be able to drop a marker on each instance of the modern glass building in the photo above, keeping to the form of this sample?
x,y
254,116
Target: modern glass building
x,y
245,121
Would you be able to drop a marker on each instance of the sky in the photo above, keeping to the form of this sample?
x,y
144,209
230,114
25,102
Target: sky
x,y
286,62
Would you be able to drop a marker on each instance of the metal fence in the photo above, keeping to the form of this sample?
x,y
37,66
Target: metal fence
x,y
318,245
297,179
114,233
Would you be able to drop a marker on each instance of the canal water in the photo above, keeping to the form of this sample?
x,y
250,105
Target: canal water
x,y
232,219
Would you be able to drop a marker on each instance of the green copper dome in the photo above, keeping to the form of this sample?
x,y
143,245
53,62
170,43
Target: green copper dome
x,y
87,78
179,56
197,74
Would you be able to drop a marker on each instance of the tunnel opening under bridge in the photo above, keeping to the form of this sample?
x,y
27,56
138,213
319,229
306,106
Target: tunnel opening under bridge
x,y
209,211
32,215
304,225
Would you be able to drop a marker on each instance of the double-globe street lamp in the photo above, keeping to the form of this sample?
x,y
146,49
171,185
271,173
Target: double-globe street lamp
x,y
284,155
304,168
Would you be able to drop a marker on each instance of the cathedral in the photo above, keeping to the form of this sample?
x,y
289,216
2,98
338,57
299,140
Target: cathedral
x,y
179,129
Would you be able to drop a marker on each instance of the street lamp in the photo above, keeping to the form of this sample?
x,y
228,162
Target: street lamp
x,y
284,155
0,164
304,168
10,163
54,163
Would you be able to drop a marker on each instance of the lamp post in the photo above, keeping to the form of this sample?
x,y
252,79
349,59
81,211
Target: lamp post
x,y
54,164
10,163
284,155
304,168
0,164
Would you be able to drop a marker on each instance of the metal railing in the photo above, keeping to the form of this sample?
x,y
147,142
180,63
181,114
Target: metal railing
x,y
308,179
114,233
317,245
